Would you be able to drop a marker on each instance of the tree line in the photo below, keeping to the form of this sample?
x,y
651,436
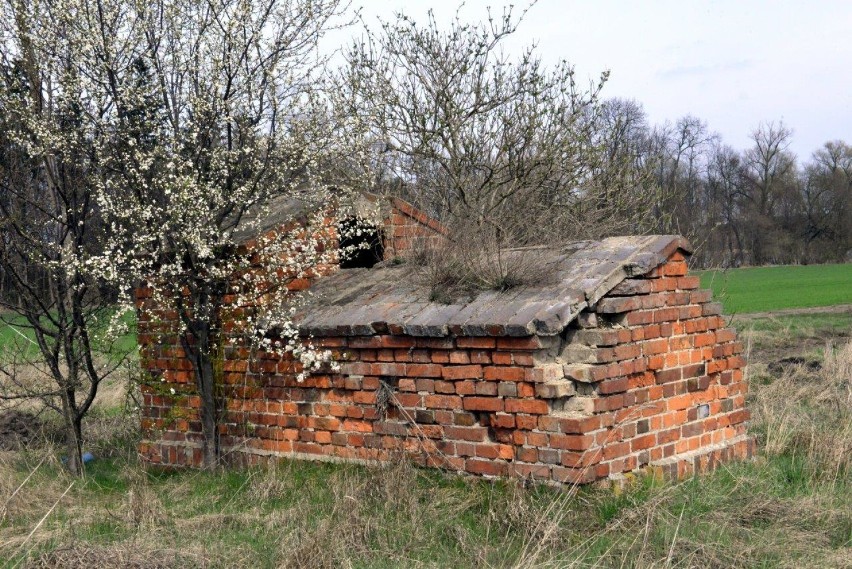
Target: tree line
x,y
749,207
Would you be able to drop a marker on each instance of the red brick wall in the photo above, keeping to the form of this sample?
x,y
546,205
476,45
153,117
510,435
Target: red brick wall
x,y
407,227
650,376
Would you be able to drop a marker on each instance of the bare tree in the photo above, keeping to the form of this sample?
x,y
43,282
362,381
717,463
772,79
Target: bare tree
x,y
239,128
723,188
50,229
623,171
680,152
506,151
769,172
827,194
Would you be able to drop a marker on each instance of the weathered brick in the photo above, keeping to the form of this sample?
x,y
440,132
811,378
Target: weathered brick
x,y
618,304
388,369
599,337
695,370
554,390
485,388
486,467
423,384
578,404
423,370
528,343
492,404
502,420
639,317
578,372
530,406
473,434
626,352
545,372
587,320
643,442
504,373
571,442
669,375
462,372
609,402
527,422
679,402
475,342
526,454
616,450
580,353
630,287
442,401
573,475
615,385
459,357
579,424
632,395
674,269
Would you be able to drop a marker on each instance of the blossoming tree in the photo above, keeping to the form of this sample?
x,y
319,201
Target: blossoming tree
x,y
194,117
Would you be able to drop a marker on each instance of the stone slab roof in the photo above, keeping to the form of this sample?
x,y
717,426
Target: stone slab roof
x,y
279,211
387,299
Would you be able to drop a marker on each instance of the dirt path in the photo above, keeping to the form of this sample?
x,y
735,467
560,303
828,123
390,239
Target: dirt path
x,y
836,309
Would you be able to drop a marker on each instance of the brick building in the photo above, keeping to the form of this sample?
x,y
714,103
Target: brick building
x,y
615,363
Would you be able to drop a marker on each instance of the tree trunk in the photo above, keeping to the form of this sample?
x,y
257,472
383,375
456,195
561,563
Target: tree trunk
x,y
204,350
206,381
73,443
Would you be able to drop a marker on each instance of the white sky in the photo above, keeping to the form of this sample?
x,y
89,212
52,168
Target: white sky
x,y
732,64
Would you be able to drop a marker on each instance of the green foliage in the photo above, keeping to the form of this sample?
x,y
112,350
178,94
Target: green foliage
x,y
761,289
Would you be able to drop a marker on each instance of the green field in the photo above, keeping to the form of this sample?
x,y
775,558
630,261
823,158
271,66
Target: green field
x,y
18,338
762,289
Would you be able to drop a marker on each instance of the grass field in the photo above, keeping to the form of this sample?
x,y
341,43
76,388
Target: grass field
x,y
792,507
789,508
16,336
762,289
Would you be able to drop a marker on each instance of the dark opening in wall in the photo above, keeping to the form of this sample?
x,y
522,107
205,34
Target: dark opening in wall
x,y
361,244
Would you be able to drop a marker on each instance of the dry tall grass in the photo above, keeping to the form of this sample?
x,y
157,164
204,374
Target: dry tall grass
x,y
471,263
808,415
791,508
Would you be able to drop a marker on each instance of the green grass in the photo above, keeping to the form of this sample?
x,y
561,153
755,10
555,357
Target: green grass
x,y
17,337
303,514
762,289
791,507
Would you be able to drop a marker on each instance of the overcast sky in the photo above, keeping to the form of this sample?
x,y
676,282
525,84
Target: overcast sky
x,y
731,63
